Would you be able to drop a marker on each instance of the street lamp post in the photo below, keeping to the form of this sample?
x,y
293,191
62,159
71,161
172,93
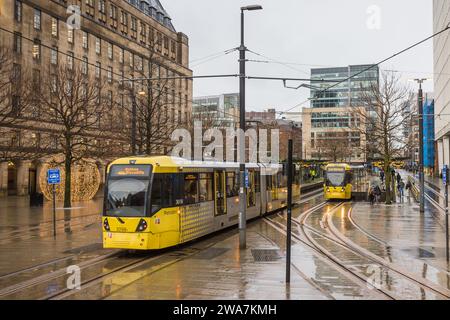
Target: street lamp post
x,y
242,189
420,117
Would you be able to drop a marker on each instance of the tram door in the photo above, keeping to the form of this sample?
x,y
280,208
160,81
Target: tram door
x,y
220,192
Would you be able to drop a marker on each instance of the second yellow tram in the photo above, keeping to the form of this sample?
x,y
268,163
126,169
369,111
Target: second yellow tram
x,y
338,181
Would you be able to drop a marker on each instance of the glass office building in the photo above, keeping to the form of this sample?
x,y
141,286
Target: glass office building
x,y
347,93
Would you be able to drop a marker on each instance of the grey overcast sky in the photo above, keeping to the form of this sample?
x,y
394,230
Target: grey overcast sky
x,y
305,34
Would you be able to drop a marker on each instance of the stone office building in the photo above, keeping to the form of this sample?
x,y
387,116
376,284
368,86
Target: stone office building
x,y
115,39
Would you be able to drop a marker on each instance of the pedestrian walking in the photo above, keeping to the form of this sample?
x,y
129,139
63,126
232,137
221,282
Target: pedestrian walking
x,y
399,178
377,193
382,176
408,188
400,187
371,195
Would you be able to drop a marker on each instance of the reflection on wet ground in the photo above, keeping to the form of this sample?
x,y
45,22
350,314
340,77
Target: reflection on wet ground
x,y
26,236
33,264
403,236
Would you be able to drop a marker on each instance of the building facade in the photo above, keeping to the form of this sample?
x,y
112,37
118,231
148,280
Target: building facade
x,y
331,128
113,39
428,135
289,127
219,110
345,94
411,133
441,45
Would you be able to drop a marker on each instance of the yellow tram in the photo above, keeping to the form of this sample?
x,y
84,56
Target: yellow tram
x,y
338,181
159,202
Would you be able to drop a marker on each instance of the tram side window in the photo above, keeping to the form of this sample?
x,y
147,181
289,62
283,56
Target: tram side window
x,y
232,184
257,182
206,187
282,180
190,188
164,191
269,182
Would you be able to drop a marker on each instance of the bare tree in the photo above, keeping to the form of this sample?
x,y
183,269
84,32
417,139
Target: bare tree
x,y
153,103
335,149
385,115
78,107
16,99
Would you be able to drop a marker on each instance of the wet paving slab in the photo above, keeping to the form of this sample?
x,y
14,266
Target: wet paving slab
x,y
400,235
222,271
215,268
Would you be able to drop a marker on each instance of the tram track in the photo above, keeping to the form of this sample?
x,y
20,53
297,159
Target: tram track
x,y
45,280
382,242
301,236
47,228
311,236
34,287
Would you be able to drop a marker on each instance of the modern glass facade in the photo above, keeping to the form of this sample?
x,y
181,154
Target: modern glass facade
x,y
347,93
222,109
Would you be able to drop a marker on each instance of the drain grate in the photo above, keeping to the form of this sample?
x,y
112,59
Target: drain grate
x,y
210,253
266,255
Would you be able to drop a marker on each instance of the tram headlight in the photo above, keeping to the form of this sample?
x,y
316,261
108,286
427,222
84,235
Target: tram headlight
x,y
106,225
343,189
142,225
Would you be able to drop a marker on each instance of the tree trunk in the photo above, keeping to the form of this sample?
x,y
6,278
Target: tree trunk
x,y
387,182
68,180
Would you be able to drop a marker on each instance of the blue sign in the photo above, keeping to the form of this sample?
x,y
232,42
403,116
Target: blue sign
x,y
444,174
53,176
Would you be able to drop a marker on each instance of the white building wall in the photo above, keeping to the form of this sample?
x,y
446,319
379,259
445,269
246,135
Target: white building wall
x,y
441,44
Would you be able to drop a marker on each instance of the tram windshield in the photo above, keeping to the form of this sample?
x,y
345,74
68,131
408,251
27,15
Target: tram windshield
x,y
127,191
335,178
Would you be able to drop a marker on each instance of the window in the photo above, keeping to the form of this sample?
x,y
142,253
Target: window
x,y
36,50
90,10
232,184
98,45
98,67
139,63
121,55
110,74
55,27
85,40
110,98
124,22
18,11
110,51
54,56
70,60
17,43
206,187
190,188
84,66
101,6
37,19
127,197
54,83
131,60
70,35
133,27
166,191
113,12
